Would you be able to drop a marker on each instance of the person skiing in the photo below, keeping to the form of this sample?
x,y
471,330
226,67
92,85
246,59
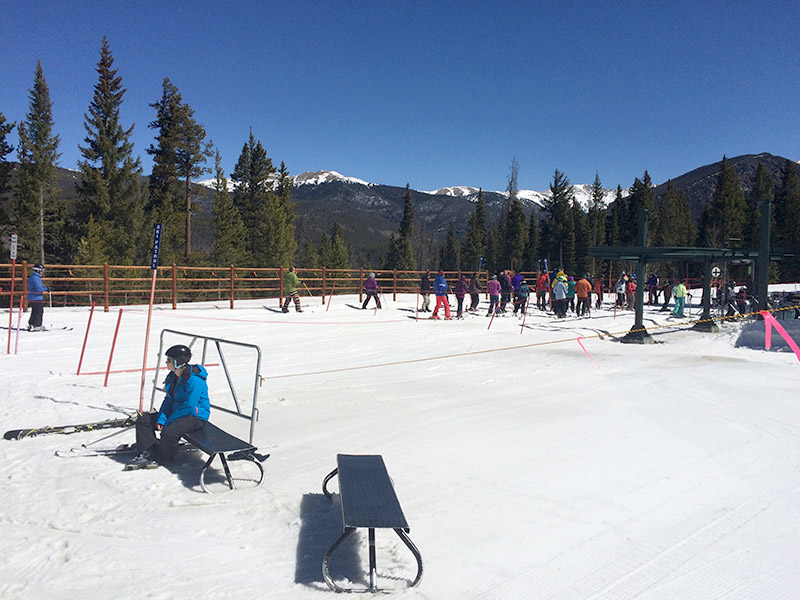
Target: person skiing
x,y
666,289
425,291
474,289
371,289
290,285
461,290
652,289
542,285
440,289
570,293
560,297
186,407
598,290
505,290
523,291
583,290
680,299
493,287
36,298
620,289
630,293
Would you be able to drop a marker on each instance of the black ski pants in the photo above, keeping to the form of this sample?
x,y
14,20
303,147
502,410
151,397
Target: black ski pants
x,y
171,434
37,312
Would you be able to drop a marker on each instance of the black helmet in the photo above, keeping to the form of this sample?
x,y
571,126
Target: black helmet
x,y
180,355
38,268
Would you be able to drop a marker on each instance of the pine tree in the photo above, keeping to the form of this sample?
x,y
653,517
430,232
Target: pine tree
x,y
38,155
557,234
515,235
530,256
725,216
191,154
787,217
596,217
640,196
268,215
474,247
763,189
450,252
310,258
230,241
110,190
165,205
401,250
613,225
5,167
581,235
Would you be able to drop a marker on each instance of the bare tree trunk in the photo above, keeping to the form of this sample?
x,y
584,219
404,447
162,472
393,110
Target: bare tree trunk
x,y
188,220
41,225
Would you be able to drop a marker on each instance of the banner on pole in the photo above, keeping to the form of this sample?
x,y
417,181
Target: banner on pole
x,y
156,245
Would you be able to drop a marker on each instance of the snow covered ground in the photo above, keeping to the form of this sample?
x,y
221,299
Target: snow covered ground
x,y
525,468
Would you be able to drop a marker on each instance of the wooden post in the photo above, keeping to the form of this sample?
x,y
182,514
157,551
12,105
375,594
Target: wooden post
x,y
323,286
233,274
360,284
394,284
174,286
105,287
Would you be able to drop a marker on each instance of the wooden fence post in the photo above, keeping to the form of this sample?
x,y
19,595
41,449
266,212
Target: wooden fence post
x,y
323,286
394,284
174,286
22,285
105,287
233,274
360,284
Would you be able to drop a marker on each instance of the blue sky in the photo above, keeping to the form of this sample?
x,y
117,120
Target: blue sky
x,y
432,94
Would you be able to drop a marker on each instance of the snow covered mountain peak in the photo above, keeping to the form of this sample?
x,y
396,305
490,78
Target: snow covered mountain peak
x,y
317,177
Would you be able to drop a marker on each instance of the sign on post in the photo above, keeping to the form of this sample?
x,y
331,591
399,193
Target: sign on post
x,y
156,246
715,272
13,246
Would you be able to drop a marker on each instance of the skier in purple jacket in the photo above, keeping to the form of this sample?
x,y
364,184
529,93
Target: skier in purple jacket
x,y
371,289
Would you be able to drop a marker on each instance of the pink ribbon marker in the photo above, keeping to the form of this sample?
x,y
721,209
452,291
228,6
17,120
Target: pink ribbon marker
x,y
769,323
587,353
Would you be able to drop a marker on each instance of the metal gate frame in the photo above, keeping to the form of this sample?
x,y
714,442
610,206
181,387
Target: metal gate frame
x,y
253,416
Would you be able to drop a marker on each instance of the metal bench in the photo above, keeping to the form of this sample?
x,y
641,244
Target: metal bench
x,y
215,442
368,500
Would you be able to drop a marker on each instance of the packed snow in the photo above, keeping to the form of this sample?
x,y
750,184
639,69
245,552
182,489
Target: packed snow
x,y
526,466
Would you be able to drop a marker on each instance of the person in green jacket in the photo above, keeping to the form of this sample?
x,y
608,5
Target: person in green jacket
x,y
680,299
290,283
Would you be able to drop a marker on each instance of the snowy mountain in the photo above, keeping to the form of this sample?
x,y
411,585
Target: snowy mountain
x,y
583,194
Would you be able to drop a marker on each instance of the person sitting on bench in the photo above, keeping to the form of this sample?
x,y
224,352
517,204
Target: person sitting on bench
x,y
186,408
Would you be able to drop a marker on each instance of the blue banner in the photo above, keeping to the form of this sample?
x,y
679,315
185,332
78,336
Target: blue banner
x,y
156,245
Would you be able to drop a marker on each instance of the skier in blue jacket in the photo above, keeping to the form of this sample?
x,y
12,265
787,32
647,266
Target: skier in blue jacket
x,y
186,408
36,291
440,289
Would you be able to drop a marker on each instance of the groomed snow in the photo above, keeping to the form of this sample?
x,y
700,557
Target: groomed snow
x,y
525,469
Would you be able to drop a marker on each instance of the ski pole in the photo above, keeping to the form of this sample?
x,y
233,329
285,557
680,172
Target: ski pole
x,y
110,435
496,306
309,291
19,318
524,315
330,296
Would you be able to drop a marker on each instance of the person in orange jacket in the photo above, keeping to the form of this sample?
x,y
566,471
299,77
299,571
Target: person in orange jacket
x,y
583,291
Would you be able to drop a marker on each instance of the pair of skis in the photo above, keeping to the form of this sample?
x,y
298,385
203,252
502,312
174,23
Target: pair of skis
x,y
18,434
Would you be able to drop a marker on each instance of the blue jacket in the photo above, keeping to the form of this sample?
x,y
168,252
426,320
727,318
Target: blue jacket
x,y
35,288
440,285
187,395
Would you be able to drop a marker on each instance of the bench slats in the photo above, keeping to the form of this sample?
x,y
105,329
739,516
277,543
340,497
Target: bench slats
x,y
213,440
367,495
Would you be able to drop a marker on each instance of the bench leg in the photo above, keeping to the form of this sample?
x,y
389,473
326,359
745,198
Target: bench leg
x,y
326,571
330,476
373,567
407,541
203,474
227,471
